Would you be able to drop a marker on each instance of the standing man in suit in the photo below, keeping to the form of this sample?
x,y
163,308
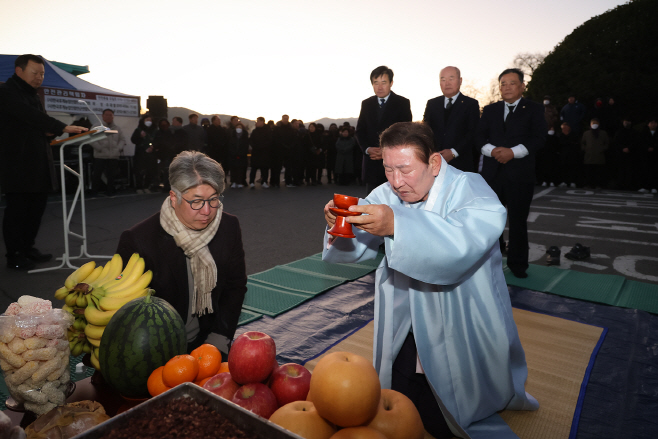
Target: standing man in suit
x,y
453,118
378,113
27,169
510,133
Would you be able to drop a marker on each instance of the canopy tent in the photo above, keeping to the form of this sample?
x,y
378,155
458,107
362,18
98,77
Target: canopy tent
x,y
72,68
61,92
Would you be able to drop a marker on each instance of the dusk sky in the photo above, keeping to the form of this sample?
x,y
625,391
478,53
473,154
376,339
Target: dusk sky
x,y
266,58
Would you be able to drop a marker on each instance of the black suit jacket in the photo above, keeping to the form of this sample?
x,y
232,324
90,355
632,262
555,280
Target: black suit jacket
x,y
169,266
370,126
459,132
526,126
26,162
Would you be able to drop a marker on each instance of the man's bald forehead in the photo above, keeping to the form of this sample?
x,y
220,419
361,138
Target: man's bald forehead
x,y
457,72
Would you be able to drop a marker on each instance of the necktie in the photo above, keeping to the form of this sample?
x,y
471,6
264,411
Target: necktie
x,y
382,102
511,110
449,104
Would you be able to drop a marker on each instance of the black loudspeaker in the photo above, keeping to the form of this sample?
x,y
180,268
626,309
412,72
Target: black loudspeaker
x,y
157,107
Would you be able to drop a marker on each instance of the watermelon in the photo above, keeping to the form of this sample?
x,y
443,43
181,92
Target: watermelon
x,y
142,336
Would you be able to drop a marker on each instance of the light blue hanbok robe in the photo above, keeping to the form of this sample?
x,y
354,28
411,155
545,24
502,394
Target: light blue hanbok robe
x,y
443,277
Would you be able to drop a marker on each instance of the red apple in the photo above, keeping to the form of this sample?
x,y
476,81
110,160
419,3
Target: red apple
x,y
301,418
257,398
290,382
223,385
252,357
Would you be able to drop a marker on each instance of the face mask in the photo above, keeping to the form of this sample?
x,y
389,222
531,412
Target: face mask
x,y
238,130
547,102
551,132
148,123
595,126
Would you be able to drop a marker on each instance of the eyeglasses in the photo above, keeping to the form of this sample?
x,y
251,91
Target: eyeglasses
x,y
214,202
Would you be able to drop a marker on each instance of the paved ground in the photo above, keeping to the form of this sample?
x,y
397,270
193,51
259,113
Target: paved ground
x,y
283,225
621,229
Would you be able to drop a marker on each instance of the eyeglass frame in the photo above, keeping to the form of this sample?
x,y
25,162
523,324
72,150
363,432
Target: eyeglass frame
x,y
203,202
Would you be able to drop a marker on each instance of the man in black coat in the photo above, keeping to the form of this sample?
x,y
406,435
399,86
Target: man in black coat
x,y
27,170
261,146
628,159
510,133
289,146
453,118
171,277
378,113
217,141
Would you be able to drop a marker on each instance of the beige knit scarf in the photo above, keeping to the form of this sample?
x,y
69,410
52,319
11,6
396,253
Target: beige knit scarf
x,y
195,245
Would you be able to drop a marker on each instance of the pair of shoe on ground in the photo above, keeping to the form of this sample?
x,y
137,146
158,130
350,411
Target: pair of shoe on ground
x,y
577,253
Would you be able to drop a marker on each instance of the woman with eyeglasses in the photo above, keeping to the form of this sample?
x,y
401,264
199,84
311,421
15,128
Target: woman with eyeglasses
x,y
195,251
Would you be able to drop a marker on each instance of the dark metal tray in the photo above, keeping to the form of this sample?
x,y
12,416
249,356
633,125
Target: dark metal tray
x,y
242,418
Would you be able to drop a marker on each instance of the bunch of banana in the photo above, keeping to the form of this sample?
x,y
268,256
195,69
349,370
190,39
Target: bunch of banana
x,y
94,294
76,293
130,284
77,286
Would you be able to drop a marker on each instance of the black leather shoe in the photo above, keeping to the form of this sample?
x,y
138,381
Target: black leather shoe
x,y
521,274
19,262
578,253
553,256
36,256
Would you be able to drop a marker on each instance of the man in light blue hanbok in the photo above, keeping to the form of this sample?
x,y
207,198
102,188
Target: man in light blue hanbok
x,y
440,285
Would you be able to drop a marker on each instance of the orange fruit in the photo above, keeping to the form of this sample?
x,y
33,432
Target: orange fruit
x,y
202,382
209,359
223,367
180,369
155,384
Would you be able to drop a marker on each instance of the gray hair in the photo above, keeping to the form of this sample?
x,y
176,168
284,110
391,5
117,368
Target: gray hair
x,y
192,168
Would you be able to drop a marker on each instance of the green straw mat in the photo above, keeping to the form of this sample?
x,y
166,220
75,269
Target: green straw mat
x,y
284,287
608,289
271,301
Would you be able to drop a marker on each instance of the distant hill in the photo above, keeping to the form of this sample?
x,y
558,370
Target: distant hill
x,y
327,121
225,118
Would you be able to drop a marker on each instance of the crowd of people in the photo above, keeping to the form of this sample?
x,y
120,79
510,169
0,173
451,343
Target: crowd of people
x,y
303,152
598,148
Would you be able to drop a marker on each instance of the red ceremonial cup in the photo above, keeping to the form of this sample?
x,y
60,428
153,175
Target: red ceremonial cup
x,y
342,228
